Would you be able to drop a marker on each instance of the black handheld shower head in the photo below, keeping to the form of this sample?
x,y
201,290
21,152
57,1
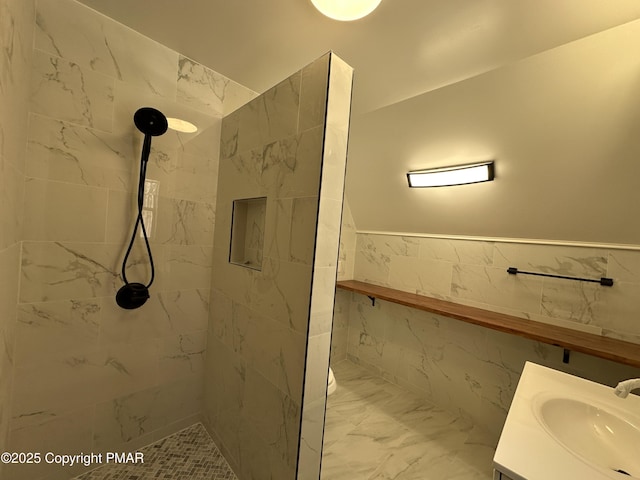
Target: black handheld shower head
x,y
150,121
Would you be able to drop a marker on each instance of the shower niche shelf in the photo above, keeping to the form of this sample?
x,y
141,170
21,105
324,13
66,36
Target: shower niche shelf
x,y
247,232
608,348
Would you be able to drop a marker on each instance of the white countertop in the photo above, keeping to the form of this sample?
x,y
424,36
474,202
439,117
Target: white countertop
x,y
526,451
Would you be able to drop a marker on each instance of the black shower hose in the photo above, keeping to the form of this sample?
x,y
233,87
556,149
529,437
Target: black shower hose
x,y
146,149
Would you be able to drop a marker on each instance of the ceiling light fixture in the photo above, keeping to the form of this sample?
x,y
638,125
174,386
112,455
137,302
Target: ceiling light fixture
x,y
346,10
180,125
457,175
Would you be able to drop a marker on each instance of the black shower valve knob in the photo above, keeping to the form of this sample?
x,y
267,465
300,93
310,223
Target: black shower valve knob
x,y
132,295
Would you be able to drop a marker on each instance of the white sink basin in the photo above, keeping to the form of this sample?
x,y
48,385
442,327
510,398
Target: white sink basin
x,y
562,427
603,437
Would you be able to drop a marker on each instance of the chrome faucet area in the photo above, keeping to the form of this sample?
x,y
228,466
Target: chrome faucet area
x,y
624,388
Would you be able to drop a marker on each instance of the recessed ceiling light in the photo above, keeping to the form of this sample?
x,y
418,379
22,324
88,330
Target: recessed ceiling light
x,y
180,125
346,10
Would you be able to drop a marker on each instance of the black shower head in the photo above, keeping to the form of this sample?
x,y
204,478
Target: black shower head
x,y
150,121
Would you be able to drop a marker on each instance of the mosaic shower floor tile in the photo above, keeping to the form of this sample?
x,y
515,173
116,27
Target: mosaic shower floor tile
x,y
187,454
376,430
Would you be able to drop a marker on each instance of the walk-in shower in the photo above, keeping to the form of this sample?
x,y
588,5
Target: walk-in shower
x,y
152,123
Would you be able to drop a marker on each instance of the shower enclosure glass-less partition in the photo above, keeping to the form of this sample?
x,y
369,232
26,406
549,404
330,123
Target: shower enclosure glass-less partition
x,y
280,183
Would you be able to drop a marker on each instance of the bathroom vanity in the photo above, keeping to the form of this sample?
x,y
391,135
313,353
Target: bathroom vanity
x,y
563,427
500,476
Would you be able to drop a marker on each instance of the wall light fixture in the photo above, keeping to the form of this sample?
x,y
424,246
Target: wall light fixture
x,y
456,175
346,10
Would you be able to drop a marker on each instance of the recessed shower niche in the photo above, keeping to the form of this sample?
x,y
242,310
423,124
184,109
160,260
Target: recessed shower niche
x,y
247,232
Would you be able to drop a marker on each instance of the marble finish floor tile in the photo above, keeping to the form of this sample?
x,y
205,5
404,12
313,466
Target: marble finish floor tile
x,y
187,454
378,431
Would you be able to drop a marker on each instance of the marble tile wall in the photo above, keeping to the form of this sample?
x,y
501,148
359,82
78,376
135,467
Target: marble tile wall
x,y
346,263
325,267
474,273
472,369
269,327
88,375
348,239
16,38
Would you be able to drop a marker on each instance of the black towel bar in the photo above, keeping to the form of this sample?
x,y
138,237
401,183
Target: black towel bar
x,y
607,282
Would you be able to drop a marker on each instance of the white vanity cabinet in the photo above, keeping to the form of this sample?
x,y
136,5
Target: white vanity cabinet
x,y
500,476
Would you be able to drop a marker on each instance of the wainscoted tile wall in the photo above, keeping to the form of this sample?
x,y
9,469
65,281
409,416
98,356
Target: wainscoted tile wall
x,y
16,38
348,239
468,368
474,273
88,375
269,326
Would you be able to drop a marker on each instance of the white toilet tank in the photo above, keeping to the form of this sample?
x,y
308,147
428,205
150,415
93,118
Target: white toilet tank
x,y
331,383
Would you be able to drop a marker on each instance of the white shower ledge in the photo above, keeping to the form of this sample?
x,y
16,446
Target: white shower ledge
x,y
571,340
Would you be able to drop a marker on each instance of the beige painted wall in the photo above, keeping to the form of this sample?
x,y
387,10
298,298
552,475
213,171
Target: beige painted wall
x,y
562,127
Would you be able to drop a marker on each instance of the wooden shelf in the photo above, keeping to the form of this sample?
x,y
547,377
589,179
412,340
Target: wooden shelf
x,y
604,347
